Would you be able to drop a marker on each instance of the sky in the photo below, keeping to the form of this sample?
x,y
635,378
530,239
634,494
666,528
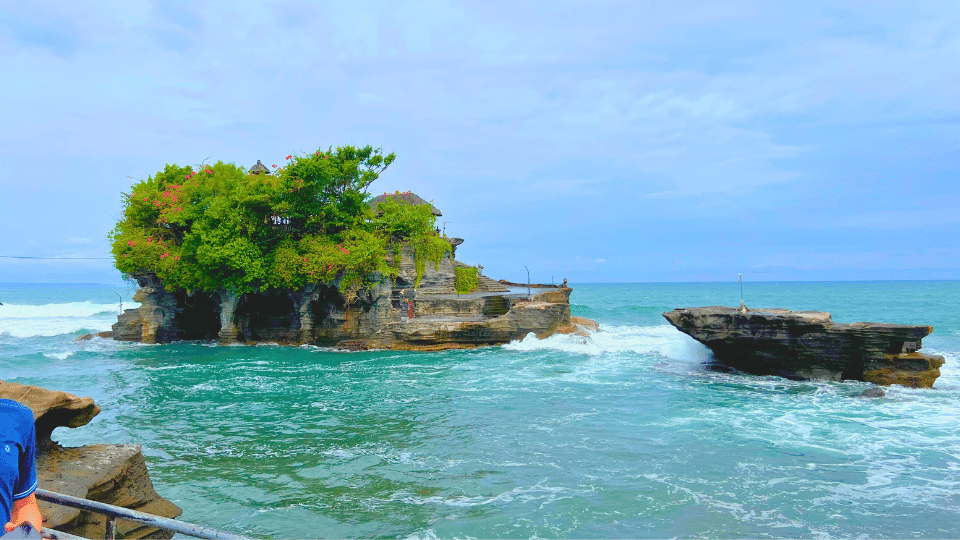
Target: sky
x,y
601,141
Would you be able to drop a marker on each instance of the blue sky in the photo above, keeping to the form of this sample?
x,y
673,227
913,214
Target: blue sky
x,y
597,141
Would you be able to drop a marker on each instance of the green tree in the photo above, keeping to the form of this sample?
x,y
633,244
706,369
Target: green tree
x,y
217,227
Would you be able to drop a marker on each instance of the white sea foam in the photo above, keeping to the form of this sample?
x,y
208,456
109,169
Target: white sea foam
x,y
23,321
662,340
71,309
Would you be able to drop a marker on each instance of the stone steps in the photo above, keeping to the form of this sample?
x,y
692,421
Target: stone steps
x,y
489,285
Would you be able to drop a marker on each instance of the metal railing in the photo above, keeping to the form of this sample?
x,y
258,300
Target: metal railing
x,y
116,512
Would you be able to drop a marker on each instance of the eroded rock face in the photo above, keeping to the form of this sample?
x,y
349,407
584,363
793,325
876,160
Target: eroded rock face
x,y
51,409
373,317
808,345
511,317
153,321
113,474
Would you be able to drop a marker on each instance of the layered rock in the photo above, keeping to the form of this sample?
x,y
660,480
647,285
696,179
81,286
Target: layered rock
x,y
373,317
153,321
808,345
112,474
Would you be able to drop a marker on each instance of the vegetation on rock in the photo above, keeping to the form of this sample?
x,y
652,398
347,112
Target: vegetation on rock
x,y
465,280
216,227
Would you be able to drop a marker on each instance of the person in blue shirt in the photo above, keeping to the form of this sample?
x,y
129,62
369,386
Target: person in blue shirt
x,y
18,469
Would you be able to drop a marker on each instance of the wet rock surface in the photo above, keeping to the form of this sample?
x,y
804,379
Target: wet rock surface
x,y
808,345
113,474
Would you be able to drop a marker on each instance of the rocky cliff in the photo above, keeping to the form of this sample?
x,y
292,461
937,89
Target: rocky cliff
x,y
374,317
808,345
111,473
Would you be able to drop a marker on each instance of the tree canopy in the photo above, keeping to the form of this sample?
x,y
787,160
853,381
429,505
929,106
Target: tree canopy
x,y
216,227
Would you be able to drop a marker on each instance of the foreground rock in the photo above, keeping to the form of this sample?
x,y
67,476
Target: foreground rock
x,y
808,345
375,317
113,474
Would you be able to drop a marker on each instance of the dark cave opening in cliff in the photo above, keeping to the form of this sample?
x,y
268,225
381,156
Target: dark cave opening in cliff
x,y
329,301
267,316
198,316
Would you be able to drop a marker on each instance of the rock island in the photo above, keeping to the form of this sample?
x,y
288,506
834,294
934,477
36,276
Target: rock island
x,y
301,254
808,345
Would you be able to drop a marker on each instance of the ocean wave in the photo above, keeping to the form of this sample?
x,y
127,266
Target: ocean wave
x,y
70,309
24,320
660,340
59,355
54,326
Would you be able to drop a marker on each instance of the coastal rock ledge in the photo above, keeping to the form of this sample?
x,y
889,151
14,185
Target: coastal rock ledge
x,y
808,345
375,317
109,473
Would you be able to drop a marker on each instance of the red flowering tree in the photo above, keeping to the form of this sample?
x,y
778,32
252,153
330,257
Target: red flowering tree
x,y
216,227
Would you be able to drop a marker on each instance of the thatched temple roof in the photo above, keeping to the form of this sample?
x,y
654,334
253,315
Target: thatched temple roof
x,y
407,197
259,168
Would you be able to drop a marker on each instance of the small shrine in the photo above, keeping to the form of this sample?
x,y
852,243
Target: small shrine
x,y
259,168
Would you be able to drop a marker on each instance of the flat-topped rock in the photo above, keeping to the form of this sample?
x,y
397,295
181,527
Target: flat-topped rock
x,y
808,345
51,409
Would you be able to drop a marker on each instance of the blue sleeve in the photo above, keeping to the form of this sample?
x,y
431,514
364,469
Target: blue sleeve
x,y
27,482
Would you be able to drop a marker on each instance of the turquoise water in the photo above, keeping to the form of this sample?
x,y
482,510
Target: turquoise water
x,y
625,433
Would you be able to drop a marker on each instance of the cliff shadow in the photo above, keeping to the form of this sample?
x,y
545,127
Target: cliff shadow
x,y
197,316
267,316
329,312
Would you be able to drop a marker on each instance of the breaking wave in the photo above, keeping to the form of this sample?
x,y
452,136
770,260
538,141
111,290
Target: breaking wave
x,y
23,321
660,340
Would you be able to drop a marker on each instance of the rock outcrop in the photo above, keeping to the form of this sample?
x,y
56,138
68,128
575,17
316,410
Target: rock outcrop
x,y
808,345
153,321
112,474
373,317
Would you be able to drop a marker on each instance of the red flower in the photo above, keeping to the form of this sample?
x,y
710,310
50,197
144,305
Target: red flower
x,y
209,171
324,157
290,156
165,255
316,153
187,176
176,258
274,166
131,243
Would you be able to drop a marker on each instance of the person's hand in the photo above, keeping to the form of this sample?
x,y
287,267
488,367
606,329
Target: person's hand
x,y
9,526
25,510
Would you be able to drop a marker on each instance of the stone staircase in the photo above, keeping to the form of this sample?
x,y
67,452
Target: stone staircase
x,y
488,285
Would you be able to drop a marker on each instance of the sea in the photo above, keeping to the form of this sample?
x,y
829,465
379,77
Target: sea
x,y
630,432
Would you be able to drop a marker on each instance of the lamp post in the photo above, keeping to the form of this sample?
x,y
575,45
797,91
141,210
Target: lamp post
x,y
528,281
